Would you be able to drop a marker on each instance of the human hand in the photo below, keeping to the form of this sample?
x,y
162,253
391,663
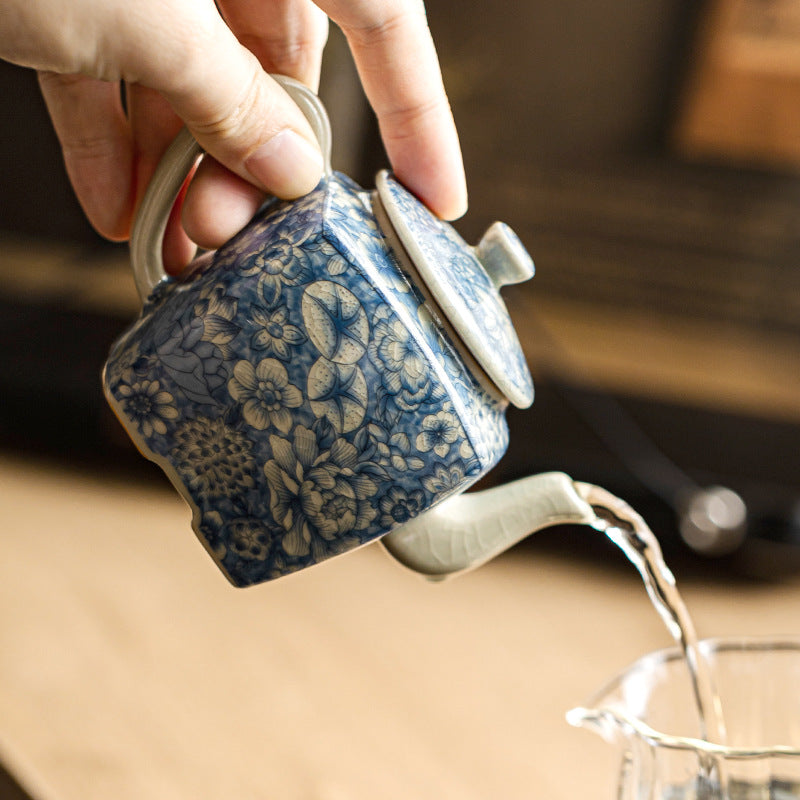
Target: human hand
x,y
185,62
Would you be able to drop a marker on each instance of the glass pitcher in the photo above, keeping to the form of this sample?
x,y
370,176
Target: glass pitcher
x,y
648,713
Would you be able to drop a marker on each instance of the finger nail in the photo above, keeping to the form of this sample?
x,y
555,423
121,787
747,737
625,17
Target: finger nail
x,y
287,165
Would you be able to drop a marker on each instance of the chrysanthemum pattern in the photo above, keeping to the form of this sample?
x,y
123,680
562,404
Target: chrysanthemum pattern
x,y
144,402
293,388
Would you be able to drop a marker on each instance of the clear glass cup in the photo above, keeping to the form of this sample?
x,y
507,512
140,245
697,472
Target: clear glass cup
x,y
649,713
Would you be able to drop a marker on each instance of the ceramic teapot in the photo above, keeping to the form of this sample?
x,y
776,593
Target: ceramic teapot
x,y
336,373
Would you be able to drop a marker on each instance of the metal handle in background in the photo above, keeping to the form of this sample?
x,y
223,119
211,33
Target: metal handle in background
x,y
147,235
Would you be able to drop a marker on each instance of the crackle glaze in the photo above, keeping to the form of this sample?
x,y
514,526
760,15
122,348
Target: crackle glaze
x,y
295,388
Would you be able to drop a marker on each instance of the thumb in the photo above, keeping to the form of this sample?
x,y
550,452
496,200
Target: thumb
x,y
241,116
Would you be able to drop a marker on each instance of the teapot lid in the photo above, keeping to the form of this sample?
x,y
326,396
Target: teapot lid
x,y
464,282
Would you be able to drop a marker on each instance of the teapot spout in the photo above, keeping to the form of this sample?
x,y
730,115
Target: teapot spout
x,y
468,530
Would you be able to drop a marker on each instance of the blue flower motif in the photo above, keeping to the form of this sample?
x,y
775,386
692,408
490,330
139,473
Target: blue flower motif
x,y
275,334
247,546
398,506
459,281
439,432
284,261
147,404
265,393
318,495
299,391
389,450
335,263
405,373
474,291
217,310
445,479
123,361
354,221
271,219
347,221
434,238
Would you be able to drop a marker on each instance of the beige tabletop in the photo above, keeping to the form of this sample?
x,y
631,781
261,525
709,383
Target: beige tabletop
x,y
129,668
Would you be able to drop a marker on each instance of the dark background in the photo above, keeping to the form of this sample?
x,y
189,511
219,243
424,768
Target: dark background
x,y
565,111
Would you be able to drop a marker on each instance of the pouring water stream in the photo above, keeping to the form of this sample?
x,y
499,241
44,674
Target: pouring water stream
x,y
467,530
625,528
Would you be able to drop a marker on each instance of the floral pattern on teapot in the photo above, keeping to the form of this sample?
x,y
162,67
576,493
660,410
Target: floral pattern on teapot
x,y
473,303
295,389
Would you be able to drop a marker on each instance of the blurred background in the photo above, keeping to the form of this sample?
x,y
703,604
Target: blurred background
x,y
648,155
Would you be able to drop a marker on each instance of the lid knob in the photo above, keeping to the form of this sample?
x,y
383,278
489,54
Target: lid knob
x,y
503,256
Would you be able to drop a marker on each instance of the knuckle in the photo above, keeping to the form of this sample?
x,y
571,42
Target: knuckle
x,y
231,119
66,82
288,56
375,32
80,136
371,34
405,122
82,147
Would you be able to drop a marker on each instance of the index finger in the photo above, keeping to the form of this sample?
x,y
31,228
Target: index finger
x,y
399,69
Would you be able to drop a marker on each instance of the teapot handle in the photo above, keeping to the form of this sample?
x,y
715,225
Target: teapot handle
x,y
147,234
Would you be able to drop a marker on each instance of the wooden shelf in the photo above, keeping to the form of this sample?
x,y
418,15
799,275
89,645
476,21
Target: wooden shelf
x,y
742,101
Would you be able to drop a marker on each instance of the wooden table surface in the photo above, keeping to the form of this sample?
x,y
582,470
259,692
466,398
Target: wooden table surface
x,y
129,668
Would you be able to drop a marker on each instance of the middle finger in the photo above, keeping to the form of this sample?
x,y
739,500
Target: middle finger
x,y
287,36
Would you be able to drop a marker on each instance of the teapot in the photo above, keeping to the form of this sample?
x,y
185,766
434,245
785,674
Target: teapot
x,y
336,373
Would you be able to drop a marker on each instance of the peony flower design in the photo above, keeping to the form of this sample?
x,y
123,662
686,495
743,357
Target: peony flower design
x,y
213,458
319,495
405,373
285,261
275,333
439,432
265,393
147,405
398,506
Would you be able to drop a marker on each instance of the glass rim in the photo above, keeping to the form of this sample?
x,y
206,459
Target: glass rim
x,y
595,712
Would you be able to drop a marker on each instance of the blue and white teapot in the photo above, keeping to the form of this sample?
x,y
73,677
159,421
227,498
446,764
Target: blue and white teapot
x,y
327,377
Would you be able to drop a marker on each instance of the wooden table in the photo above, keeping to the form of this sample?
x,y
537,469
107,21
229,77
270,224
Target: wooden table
x,y
130,669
